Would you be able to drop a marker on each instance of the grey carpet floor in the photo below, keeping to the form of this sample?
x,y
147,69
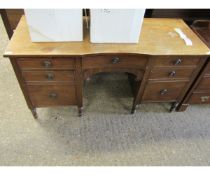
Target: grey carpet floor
x,y
106,135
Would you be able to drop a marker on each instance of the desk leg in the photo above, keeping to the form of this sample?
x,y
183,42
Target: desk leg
x,y
33,111
135,86
173,106
133,110
79,85
80,111
182,107
140,86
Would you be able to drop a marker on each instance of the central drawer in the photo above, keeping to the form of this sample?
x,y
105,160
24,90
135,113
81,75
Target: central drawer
x,y
46,63
48,76
163,91
115,61
51,95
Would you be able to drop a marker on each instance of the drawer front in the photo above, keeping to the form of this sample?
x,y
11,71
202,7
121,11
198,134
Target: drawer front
x,y
171,73
204,84
163,91
48,76
207,69
199,98
50,95
46,63
176,61
126,61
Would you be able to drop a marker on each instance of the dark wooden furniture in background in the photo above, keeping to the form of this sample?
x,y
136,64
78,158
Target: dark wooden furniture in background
x,y
52,74
188,15
200,91
11,18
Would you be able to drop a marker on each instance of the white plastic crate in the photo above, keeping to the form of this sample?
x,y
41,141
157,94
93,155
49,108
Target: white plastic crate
x,y
115,25
55,25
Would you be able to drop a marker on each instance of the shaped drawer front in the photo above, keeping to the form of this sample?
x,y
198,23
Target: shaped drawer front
x,y
118,61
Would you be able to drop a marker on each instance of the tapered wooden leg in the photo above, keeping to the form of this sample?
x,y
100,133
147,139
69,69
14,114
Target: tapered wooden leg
x,y
182,107
80,110
33,111
79,85
173,106
133,110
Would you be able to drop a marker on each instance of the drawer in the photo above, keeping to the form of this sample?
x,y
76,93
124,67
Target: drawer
x,y
207,69
163,91
176,61
48,76
46,63
125,61
199,98
204,84
171,73
51,95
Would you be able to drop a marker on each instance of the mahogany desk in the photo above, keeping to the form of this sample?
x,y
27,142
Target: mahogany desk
x,y
52,74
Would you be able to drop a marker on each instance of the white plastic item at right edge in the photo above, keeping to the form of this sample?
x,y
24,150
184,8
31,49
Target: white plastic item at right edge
x,y
116,25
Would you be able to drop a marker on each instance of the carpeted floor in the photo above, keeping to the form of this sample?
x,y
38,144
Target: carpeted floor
x,y
106,135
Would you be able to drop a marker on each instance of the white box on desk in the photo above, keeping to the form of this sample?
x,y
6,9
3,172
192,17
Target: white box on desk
x,y
116,25
55,25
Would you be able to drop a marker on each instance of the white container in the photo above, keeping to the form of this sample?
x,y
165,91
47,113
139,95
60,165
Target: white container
x,y
49,25
115,25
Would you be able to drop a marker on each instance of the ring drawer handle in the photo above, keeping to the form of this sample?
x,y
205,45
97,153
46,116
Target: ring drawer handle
x,y
47,63
115,60
172,73
178,61
53,95
50,76
163,91
204,98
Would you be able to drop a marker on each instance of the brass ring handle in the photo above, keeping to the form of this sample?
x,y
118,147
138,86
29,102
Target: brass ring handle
x,y
172,73
115,60
178,61
50,76
47,63
204,98
53,95
163,91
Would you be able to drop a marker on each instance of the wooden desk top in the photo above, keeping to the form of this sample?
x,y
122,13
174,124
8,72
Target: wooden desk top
x,y
157,38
